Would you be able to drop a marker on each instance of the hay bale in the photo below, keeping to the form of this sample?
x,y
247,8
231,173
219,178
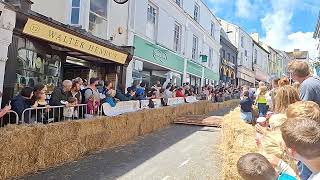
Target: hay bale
x,y
18,149
238,138
55,154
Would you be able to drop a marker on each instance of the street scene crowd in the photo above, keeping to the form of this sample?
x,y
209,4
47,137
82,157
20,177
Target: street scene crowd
x,y
286,117
78,99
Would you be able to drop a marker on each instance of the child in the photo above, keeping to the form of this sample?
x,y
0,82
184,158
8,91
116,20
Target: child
x,y
92,106
254,166
262,122
302,139
262,101
68,111
309,110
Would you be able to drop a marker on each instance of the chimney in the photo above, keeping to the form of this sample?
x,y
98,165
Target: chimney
x,y
21,4
255,37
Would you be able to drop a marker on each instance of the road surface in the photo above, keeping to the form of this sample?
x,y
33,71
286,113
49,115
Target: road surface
x,y
175,152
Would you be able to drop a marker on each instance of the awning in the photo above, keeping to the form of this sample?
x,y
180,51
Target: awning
x,y
71,40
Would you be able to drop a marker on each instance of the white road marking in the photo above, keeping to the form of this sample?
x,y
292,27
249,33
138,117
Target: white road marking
x,y
184,163
165,178
186,148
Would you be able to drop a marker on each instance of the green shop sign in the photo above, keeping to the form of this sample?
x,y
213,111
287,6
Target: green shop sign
x,y
209,74
194,68
158,55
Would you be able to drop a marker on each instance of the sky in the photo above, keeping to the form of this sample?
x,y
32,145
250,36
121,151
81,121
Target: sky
x,y
282,24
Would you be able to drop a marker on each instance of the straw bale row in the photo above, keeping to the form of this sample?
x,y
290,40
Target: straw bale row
x,y
29,148
238,138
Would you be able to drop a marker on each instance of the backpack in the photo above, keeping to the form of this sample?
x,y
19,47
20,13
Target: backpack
x,y
83,91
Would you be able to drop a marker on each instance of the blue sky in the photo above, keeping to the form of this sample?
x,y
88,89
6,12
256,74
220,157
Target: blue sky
x,y
283,24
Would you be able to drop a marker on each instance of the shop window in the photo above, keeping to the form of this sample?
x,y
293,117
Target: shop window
x,y
151,22
75,12
195,47
36,68
177,37
98,24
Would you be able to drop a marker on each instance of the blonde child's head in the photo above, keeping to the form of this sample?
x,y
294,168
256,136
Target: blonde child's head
x,y
285,96
263,90
276,121
304,109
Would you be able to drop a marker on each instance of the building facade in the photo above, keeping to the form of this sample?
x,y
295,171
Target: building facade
x,y
7,24
228,60
316,35
243,41
260,60
44,50
177,41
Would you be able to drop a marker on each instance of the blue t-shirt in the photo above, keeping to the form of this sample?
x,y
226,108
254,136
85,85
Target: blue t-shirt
x,y
284,176
246,104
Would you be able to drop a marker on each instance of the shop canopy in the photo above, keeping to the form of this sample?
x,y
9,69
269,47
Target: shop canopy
x,y
73,41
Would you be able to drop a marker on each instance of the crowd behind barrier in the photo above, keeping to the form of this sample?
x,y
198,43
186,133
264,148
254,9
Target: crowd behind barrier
x,y
51,114
77,100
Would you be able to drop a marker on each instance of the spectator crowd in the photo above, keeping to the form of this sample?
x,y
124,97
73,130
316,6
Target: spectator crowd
x,y
286,118
65,101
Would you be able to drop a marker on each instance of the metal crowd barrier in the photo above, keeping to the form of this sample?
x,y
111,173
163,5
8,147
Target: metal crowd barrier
x,y
61,113
50,114
9,119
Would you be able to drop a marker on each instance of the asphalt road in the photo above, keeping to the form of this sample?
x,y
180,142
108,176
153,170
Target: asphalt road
x,y
176,152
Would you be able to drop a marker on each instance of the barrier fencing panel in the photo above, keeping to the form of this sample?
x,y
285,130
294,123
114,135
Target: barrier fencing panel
x,y
11,117
50,114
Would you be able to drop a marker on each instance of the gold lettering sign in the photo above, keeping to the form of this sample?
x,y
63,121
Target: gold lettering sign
x,y
45,32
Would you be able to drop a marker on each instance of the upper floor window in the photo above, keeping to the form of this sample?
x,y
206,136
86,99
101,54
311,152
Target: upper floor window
x,y
233,60
196,13
212,29
223,53
241,58
229,57
98,24
152,21
195,45
255,56
75,12
177,37
210,57
241,41
179,2
245,53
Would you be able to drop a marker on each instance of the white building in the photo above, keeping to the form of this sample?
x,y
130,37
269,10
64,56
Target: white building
x,y
173,39
260,60
243,41
176,40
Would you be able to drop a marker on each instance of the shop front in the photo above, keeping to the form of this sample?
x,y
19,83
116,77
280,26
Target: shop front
x,y
212,78
260,76
47,52
194,74
155,63
245,77
227,72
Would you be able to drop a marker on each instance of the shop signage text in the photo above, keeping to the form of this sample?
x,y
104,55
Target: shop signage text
x,y
159,55
45,32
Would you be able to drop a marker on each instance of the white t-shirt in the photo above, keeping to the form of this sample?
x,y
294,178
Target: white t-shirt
x,y
315,176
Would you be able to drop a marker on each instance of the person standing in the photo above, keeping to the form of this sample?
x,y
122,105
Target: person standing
x,y
22,102
309,85
246,107
262,101
309,91
91,90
